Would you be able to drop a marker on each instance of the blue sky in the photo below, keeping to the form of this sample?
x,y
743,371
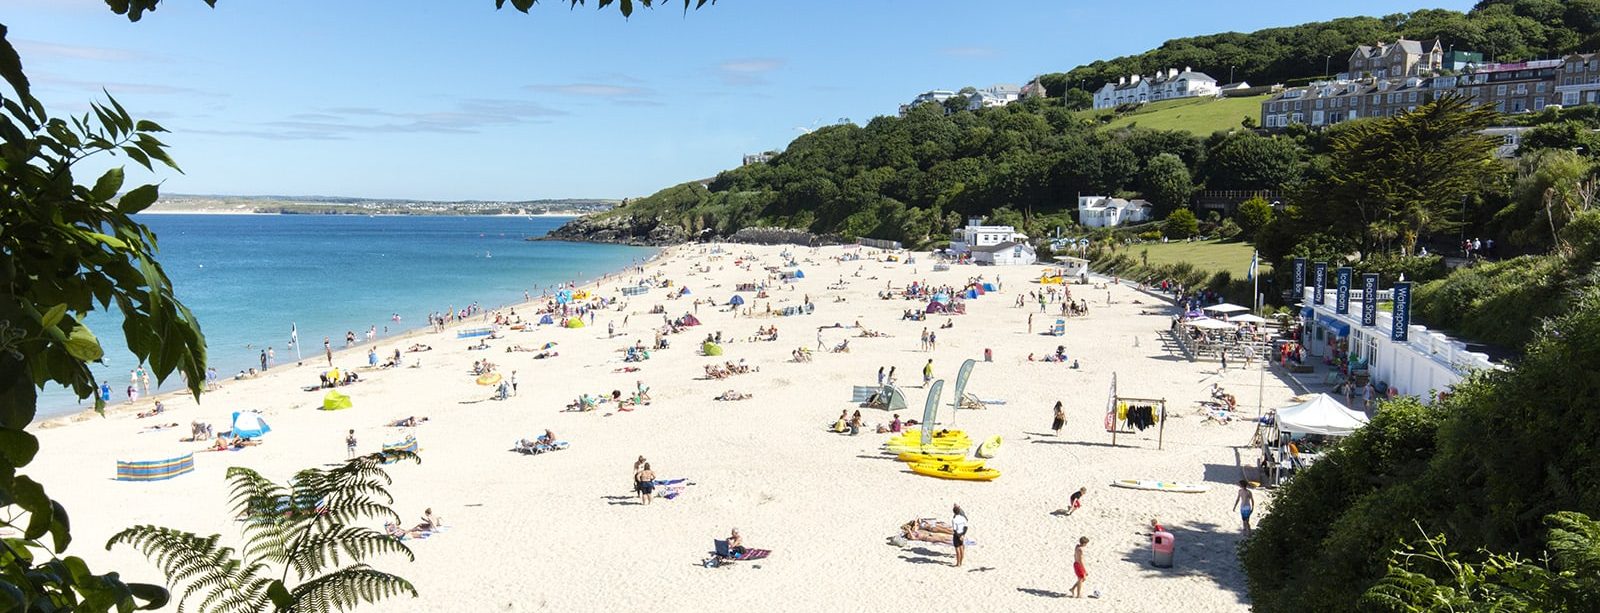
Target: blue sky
x,y
438,99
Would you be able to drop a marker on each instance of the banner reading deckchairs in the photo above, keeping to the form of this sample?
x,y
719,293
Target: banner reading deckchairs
x,y
155,470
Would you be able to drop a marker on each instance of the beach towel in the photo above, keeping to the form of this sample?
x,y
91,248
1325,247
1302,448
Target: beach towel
x,y
671,488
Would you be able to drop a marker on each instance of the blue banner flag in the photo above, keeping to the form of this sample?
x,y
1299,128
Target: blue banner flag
x,y
1342,278
1369,299
1402,312
1319,281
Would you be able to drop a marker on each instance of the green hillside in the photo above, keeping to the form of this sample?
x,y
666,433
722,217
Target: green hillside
x,y
1198,116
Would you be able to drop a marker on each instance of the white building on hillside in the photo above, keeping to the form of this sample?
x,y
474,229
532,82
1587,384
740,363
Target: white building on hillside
x,y
976,235
1168,84
994,96
1104,212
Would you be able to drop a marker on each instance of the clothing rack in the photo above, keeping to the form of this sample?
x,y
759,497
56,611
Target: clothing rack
x,y
1119,422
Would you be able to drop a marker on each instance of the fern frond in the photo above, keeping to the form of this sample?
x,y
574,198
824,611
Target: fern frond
x,y
319,551
190,561
347,588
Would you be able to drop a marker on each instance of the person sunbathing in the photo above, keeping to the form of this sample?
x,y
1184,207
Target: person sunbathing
x,y
736,544
394,530
733,395
430,522
408,422
419,348
159,427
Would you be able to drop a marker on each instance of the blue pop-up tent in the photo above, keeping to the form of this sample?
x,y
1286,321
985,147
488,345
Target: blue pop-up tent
x,y
736,300
547,319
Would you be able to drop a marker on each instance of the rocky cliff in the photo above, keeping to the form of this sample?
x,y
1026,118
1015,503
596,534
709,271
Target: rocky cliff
x,y
649,232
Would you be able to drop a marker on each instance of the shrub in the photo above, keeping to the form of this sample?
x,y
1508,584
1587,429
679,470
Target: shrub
x,y
1181,224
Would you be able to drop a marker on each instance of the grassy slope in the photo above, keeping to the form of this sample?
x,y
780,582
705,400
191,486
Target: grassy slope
x,y
1208,255
1199,116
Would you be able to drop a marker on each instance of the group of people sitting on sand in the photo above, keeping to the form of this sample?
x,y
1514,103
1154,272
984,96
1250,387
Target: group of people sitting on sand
x,y
1060,356
482,367
345,377
729,369
159,409
540,444
847,423
766,333
585,402
801,354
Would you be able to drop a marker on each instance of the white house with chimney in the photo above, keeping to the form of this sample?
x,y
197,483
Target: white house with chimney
x,y
1169,84
976,235
994,96
1104,212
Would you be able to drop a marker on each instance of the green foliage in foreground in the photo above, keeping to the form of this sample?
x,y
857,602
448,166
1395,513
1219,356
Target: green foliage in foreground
x,y
1429,578
1484,465
308,527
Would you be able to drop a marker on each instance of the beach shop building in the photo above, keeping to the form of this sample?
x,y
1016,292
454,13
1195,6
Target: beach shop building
x,y
1425,363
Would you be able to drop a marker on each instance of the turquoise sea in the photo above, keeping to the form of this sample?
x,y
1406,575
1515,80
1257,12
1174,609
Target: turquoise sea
x,y
249,277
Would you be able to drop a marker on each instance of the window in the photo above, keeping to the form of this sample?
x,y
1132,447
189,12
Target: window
x,y
1499,90
1517,106
1539,87
1319,103
1411,97
1538,103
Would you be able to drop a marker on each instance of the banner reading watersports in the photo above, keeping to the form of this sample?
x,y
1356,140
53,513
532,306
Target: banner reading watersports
x,y
1342,278
1299,278
1369,299
1319,281
1402,312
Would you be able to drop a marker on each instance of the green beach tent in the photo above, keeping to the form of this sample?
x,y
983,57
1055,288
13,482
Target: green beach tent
x,y
334,401
575,322
711,349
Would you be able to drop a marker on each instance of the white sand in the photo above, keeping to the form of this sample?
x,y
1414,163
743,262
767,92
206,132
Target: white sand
x,y
561,530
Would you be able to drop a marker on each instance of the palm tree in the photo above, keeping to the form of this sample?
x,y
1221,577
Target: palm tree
x,y
307,526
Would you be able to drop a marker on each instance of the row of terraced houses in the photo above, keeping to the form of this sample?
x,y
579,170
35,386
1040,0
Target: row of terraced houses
x,y
1387,79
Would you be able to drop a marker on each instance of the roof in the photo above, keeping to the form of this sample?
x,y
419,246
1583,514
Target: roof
x,y
1000,247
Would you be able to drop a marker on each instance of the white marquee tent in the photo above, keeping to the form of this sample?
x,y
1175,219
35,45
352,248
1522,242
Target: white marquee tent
x,y
1320,415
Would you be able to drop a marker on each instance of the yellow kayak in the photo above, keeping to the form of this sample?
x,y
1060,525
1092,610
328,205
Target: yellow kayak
x,y
935,449
915,457
915,433
961,464
947,471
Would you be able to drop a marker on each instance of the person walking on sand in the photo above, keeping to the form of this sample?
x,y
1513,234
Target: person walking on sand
x,y
644,482
891,374
327,348
1059,421
927,373
819,339
1076,500
1078,567
880,376
958,533
1245,502
350,445
1030,323
272,357
513,383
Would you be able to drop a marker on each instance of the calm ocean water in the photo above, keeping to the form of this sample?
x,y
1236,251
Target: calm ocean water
x,y
248,277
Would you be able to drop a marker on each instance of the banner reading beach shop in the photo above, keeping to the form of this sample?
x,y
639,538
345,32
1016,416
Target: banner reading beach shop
x,y
1342,278
1402,312
1369,299
1299,278
1319,281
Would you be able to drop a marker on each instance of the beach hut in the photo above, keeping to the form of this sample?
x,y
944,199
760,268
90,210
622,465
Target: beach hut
x,y
249,424
736,300
155,470
576,322
334,401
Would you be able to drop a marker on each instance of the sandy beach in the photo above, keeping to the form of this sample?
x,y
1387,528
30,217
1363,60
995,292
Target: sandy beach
x,y
563,531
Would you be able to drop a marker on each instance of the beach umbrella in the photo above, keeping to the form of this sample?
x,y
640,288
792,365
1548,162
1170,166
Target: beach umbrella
x,y
1247,319
249,424
736,300
1226,307
1210,324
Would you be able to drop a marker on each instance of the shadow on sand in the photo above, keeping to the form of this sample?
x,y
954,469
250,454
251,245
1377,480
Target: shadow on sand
x,y
1203,550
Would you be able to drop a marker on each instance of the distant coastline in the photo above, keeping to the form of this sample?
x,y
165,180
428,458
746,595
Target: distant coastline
x,y
339,205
